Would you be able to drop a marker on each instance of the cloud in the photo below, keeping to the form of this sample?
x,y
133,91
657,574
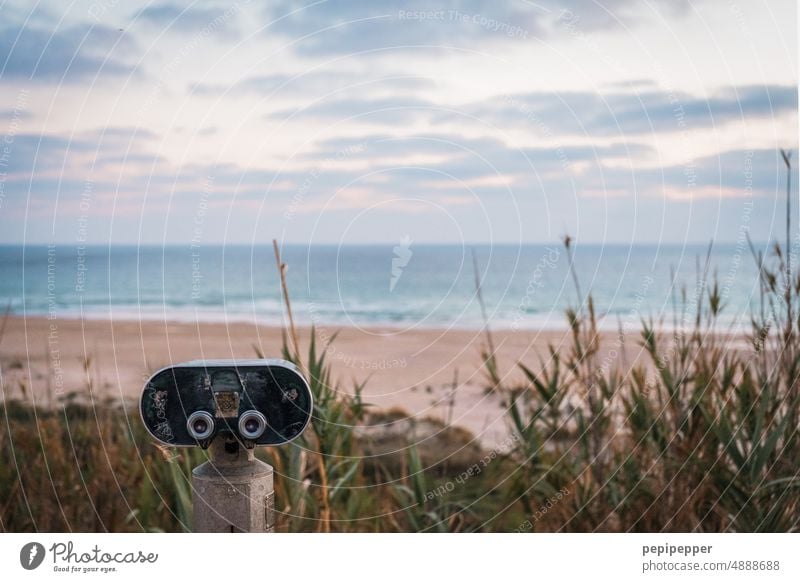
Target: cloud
x,y
37,14
591,15
309,85
73,54
469,157
190,19
569,113
430,166
119,134
347,26
383,145
625,113
491,168
46,156
733,173
15,114
377,110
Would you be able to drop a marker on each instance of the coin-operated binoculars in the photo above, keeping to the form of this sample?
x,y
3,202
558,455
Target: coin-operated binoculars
x,y
231,407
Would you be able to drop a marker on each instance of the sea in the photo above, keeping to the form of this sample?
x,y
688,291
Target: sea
x,y
401,286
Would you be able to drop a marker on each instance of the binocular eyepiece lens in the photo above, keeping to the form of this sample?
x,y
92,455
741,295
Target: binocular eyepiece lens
x,y
252,424
200,425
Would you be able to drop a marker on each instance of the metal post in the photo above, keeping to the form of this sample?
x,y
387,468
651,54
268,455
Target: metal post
x,y
233,491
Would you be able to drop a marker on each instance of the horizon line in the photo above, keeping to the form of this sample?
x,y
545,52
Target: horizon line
x,y
74,244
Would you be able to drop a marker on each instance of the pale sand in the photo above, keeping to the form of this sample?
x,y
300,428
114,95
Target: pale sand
x,y
411,369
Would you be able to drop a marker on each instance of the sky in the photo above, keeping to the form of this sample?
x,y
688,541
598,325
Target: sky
x,y
333,122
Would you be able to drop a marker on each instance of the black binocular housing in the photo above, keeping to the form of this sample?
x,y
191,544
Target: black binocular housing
x,y
258,402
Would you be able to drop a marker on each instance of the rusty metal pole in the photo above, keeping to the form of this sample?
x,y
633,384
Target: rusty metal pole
x,y
233,491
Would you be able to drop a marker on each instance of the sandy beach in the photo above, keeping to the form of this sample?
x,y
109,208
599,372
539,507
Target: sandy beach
x,y
414,369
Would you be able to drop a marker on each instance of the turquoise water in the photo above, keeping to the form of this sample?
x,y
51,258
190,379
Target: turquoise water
x,y
405,286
